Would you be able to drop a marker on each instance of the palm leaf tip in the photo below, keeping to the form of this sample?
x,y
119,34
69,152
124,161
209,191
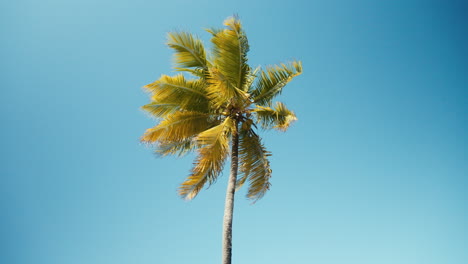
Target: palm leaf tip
x,y
189,50
279,117
230,47
178,127
255,166
233,22
173,93
190,188
272,80
178,148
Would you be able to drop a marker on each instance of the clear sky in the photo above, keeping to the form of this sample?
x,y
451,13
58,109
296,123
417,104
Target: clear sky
x,y
375,171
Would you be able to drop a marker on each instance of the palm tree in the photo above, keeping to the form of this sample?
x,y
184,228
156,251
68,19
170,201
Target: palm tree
x,y
220,106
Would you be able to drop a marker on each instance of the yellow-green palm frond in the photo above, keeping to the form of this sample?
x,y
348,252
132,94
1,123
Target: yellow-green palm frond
x,y
279,117
189,50
250,79
161,110
272,80
230,52
213,149
254,165
217,136
197,72
192,185
179,127
221,91
171,93
225,98
213,30
178,148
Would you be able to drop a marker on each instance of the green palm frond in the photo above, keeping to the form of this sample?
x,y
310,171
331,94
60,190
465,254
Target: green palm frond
x,y
178,127
230,52
171,93
213,150
279,118
189,50
272,80
254,165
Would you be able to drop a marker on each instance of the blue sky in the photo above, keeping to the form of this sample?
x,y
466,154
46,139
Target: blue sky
x,y
374,171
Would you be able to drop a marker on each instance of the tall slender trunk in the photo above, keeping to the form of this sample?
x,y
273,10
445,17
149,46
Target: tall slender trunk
x,y
229,204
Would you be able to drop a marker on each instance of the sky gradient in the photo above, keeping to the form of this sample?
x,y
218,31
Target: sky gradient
x,y
374,171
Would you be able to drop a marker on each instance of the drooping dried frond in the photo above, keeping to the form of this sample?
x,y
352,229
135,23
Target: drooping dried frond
x,y
272,80
178,127
173,93
254,165
189,50
278,118
213,149
230,52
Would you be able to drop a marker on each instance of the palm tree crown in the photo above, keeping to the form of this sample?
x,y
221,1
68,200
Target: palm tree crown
x,y
224,98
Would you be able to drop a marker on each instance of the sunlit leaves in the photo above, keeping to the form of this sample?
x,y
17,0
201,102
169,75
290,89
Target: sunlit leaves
x,y
272,79
222,93
230,47
197,72
178,148
178,127
224,96
189,50
213,147
279,118
254,165
161,109
175,93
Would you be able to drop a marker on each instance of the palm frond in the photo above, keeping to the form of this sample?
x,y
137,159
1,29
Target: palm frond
x,y
230,52
189,50
197,72
217,136
213,31
250,79
279,118
192,185
178,148
161,110
171,93
213,150
272,80
221,91
198,114
254,165
179,127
